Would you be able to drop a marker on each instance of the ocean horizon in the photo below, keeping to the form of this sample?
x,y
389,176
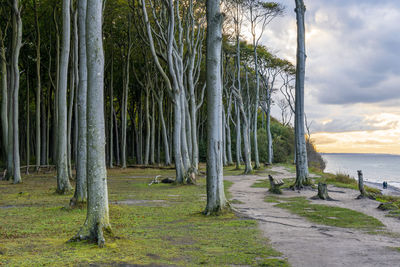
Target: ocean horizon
x,y
376,168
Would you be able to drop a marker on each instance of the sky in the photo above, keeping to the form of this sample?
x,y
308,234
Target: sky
x,y
352,91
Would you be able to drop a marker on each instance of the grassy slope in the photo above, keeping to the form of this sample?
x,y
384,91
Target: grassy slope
x,y
165,228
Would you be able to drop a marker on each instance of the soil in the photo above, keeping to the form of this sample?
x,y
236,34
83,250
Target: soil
x,y
308,244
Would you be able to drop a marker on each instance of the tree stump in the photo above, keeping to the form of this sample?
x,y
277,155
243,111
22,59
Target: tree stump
x,y
275,185
363,194
322,192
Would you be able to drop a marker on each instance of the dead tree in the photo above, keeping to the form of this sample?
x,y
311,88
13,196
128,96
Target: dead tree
x,y
363,194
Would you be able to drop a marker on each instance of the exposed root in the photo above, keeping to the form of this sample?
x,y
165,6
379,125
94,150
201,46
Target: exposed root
x,y
77,204
217,211
94,234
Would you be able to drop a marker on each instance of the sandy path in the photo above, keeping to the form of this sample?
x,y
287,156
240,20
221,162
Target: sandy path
x,y
307,244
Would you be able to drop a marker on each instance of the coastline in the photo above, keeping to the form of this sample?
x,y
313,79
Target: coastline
x,y
390,191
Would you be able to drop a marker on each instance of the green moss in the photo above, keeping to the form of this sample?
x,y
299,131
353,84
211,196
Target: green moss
x,y
160,224
332,216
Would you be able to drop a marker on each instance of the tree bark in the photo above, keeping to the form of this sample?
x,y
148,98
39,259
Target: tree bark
x,y
216,201
28,150
363,194
112,112
97,218
38,88
16,44
301,151
63,184
4,95
80,194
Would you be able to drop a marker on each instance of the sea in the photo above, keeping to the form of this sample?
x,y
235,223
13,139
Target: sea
x,y
376,168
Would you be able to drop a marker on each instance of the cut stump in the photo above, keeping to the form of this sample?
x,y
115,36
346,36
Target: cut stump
x,y
322,192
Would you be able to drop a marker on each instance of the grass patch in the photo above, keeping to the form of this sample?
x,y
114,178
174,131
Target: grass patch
x,y
165,227
332,216
344,181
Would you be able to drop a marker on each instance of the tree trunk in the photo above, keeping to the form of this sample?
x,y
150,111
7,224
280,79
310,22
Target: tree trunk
x,y
80,194
257,100
56,90
270,142
153,132
16,44
63,184
164,132
28,150
4,96
116,139
301,151
238,139
361,185
228,134
97,219
216,201
147,114
184,144
69,116
38,89
112,112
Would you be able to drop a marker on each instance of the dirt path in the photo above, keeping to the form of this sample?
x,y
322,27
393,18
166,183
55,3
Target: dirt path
x,y
307,244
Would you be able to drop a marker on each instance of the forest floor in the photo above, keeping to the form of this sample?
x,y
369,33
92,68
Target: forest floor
x,y
345,232
157,225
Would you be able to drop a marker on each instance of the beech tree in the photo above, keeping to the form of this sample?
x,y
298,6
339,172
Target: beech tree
x,y
80,194
97,218
63,184
15,82
300,142
216,201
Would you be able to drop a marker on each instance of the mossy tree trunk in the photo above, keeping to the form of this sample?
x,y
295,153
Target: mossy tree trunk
x,y
97,219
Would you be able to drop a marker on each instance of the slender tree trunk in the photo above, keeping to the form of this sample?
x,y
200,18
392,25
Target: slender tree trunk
x,y
116,139
270,142
69,116
28,150
228,133
10,141
80,194
97,219
43,124
238,138
56,91
4,96
17,43
216,201
63,184
164,132
257,101
148,126
153,132
112,111
184,146
38,89
301,151
224,157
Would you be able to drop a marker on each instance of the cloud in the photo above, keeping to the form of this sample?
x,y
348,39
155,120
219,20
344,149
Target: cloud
x,y
352,48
